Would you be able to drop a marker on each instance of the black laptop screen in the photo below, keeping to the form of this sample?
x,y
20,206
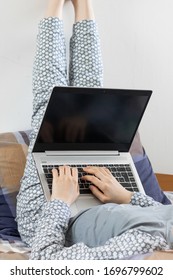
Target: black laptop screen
x,y
91,119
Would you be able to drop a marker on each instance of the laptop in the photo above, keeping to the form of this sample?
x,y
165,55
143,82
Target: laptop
x,y
90,126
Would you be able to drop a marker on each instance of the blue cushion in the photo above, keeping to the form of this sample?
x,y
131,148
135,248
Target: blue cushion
x,y
8,225
149,180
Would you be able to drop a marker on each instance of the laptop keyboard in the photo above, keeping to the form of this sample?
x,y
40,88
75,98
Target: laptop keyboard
x,y
122,172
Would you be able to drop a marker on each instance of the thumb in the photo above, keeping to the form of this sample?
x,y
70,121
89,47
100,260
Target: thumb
x,y
97,193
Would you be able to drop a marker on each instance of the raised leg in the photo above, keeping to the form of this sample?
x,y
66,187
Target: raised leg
x,y
86,67
49,70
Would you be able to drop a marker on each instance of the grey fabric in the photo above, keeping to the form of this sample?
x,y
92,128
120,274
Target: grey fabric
x,y
49,241
98,224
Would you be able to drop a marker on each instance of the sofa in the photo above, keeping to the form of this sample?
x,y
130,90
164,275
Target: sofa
x,y
13,153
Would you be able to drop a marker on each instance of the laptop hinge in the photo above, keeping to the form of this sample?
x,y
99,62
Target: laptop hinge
x,y
82,153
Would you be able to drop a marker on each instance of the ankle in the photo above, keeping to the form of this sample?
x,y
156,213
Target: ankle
x,y
83,10
55,8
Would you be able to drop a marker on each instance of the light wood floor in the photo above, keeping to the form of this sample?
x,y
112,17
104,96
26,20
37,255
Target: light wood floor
x,y
165,181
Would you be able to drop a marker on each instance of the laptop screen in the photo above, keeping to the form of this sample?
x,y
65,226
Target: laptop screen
x,y
91,119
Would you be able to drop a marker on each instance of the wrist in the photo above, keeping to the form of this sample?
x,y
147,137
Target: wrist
x,y
128,197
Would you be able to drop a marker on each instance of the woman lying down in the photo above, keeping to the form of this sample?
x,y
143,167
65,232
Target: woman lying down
x,y
126,224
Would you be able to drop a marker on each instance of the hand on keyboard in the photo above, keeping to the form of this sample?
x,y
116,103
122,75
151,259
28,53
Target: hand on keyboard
x,y
105,187
65,184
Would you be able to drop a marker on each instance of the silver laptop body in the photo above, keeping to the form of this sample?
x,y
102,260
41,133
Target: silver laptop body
x,y
89,126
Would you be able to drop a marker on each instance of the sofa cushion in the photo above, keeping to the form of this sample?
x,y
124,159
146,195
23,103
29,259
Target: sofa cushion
x,y
13,151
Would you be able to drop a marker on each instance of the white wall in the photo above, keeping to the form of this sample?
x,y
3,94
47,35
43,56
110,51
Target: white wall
x,y
137,46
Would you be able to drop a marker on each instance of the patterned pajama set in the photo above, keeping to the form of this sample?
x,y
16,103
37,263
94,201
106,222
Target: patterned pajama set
x,y
47,227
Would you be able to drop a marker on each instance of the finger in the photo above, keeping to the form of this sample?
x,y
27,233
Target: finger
x,y
97,193
67,170
75,175
97,171
74,172
55,178
55,173
106,171
61,170
94,180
